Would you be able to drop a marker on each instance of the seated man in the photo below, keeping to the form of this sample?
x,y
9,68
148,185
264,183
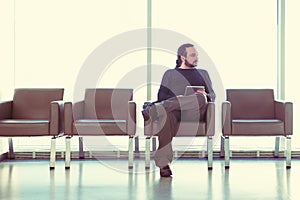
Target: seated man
x,y
173,106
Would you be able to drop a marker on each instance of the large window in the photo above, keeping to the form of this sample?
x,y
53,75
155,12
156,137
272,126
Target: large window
x,y
292,63
237,41
6,52
6,48
46,43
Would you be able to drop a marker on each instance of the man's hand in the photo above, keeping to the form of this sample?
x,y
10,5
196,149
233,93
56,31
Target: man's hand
x,y
200,91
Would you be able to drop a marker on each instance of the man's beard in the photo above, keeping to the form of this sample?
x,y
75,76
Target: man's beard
x,y
188,64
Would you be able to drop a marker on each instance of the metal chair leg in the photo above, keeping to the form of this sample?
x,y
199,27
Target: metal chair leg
x,y
154,145
53,153
11,153
68,153
227,152
288,153
222,151
136,145
130,152
277,146
209,153
147,153
81,152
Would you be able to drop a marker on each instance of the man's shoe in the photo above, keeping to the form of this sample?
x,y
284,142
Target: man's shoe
x,y
165,171
149,111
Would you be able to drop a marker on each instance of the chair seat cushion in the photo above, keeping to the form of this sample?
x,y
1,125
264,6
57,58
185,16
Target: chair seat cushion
x,y
18,128
260,127
192,129
186,129
99,127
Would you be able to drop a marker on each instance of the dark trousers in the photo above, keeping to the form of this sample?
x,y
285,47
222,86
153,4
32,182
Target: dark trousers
x,y
171,112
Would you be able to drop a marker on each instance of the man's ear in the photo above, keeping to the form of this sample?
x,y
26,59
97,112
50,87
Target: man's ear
x,y
182,58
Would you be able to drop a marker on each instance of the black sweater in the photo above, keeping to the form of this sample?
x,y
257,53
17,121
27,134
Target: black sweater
x,y
174,82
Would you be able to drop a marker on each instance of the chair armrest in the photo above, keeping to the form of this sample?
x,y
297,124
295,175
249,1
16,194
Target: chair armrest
x,y
210,119
56,118
148,125
226,118
68,118
72,112
284,112
77,110
5,109
131,119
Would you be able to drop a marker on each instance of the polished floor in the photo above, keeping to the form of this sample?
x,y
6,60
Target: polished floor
x,y
110,179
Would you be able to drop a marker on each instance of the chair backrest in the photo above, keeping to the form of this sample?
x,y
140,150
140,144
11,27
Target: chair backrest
x,y
251,103
107,103
30,103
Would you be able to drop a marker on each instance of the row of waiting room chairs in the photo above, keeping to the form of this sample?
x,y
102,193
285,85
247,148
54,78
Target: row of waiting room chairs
x,y
112,112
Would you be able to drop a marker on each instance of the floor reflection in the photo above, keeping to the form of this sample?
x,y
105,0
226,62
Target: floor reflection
x,y
246,179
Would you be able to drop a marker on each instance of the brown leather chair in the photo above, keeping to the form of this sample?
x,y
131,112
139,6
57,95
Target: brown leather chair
x,y
255,112
103,112
33,112
204,128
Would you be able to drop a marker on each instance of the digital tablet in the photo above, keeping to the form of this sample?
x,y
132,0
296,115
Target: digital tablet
x,y
189,90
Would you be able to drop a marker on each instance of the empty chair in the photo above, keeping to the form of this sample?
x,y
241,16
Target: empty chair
x,y
205,128
33,112
255,112
102,112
